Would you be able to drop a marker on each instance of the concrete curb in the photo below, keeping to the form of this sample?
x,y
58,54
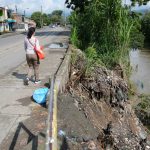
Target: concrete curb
x,y
62,76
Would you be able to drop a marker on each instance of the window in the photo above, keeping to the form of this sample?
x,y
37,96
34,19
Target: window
x,y
1,12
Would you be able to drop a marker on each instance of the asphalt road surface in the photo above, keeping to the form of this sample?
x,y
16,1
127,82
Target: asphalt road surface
x,y
12,52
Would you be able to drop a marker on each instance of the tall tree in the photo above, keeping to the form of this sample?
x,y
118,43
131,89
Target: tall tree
x,y
36,16
140,2
56,16
46,19
146,26
57,12
40,18
80,4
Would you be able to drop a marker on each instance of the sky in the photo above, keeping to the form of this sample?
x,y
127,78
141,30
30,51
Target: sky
x,y
48,5
34,5
139,8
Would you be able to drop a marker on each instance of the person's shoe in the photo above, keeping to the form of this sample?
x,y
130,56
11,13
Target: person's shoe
x,y
37,82
26,81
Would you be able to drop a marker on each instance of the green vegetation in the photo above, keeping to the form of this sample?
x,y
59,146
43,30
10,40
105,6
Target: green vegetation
x,y
81,4
146,27
108,27
136,36
40,19
46,19
140,2
143,110
105,26
1,12
56,16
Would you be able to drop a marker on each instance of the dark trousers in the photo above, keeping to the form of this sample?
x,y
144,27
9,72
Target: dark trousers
x,y
33,64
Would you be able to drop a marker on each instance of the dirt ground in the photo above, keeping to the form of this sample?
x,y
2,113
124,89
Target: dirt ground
x,y
96,113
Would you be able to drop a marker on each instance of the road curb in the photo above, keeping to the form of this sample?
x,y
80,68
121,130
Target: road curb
x,y
62,76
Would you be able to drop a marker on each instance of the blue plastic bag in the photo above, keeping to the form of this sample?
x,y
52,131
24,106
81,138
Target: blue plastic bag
x,y
40,95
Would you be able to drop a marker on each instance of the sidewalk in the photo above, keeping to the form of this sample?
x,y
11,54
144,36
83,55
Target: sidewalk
x,y
22,121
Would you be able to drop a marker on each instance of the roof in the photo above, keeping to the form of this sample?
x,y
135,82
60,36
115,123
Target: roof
x,y
10,20
3,8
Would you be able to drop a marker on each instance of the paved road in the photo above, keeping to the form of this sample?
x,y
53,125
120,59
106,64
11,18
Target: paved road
x,y
20,117
12,49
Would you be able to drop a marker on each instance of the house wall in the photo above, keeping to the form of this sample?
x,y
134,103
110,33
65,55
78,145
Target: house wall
x,y
22,27
3,26
17,17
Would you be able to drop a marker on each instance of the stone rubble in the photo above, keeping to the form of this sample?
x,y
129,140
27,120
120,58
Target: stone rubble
x,y
122,130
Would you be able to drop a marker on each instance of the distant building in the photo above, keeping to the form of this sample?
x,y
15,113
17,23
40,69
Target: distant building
x,y
3,17
22,23
13,21
6,22
31,23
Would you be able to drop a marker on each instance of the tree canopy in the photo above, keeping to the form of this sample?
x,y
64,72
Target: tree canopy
x,y
140,2
106,26
56,16
40,19
146,26
36,16
80,4
57,12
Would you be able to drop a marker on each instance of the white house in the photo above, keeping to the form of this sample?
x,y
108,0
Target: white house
x,y
4,26
6,22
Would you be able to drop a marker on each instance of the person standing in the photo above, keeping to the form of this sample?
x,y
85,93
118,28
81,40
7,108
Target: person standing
x,y
33,62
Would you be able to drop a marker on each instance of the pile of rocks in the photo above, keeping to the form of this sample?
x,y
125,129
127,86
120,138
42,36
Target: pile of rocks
x,y
105,84
101,83
120,127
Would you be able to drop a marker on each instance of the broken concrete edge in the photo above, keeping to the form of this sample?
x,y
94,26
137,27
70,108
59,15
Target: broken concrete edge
x,y
62,76
61,80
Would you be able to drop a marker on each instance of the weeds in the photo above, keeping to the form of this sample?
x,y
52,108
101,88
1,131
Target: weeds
x,y
143,110
104,28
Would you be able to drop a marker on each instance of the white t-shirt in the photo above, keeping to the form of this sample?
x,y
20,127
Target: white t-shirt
x,y
30,43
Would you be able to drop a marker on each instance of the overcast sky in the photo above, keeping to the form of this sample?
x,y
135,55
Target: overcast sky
x,y
34,5
48,5
143,7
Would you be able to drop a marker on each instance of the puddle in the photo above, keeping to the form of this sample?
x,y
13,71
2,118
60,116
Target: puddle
x,y
58,45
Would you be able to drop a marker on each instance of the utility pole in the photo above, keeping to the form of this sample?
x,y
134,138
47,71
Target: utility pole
x,y
16,13
41,20
24,13
65,14
16,8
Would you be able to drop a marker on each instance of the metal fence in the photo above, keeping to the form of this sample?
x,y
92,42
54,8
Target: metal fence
x,y
51,143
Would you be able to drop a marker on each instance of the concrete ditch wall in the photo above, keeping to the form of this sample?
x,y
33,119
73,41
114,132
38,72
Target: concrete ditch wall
x,y
62,76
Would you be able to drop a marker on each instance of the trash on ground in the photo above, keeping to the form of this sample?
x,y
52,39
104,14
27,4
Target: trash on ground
x,y
40,95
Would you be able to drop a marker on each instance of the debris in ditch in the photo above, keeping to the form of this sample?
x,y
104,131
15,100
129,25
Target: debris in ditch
x,y
101,98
